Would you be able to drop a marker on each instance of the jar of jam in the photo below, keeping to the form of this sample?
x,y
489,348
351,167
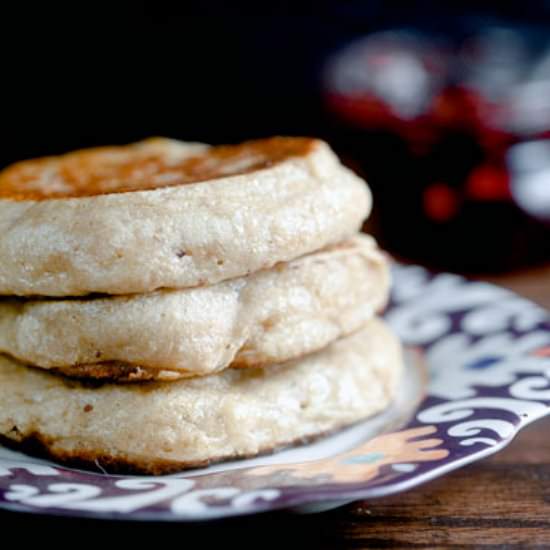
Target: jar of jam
x,y
453,135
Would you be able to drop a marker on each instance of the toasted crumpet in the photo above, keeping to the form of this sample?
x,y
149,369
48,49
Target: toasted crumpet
x,y
166,214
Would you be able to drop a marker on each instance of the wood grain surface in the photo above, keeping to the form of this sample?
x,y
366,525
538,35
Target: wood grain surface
x,y
501,502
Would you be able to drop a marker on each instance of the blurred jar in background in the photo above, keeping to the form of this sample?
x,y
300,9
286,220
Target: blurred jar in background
x,y
453,136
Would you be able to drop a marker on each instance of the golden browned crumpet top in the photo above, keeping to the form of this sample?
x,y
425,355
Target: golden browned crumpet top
x,y
167,214
150,164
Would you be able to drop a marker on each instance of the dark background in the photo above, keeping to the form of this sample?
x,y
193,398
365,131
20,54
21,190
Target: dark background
x,y
115,73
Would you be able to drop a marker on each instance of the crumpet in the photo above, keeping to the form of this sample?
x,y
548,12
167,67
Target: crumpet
x,y
166,214
267,317
159,427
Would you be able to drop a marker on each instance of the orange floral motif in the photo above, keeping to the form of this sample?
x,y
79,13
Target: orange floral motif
x,y
364,463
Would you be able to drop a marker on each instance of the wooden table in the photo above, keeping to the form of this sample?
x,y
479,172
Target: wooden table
x,y
501,502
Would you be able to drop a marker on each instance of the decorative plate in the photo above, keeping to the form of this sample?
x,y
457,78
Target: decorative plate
x,y
487,358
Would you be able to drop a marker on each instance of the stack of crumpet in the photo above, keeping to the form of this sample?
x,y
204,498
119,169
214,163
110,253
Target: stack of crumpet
x,y
166,304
